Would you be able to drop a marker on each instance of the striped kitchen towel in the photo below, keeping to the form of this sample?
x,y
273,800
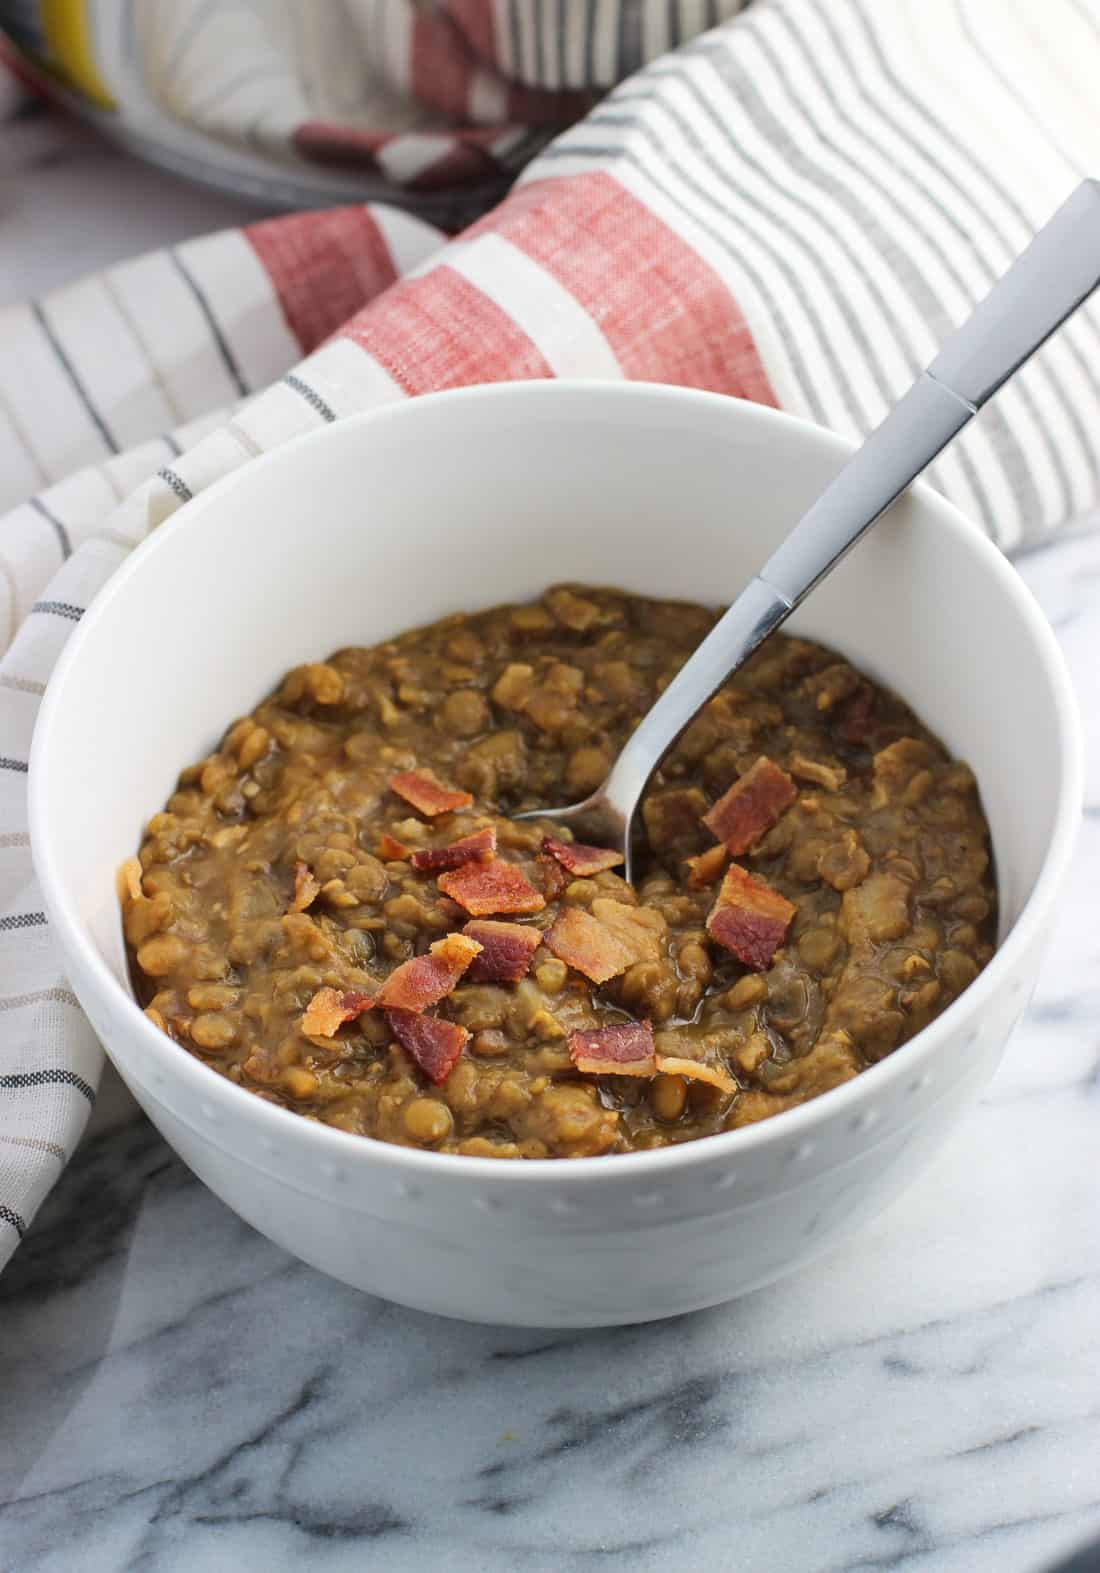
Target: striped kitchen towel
x,y
435,104
794,208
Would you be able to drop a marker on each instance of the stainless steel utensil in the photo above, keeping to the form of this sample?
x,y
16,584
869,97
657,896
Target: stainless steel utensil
x,y
1058,271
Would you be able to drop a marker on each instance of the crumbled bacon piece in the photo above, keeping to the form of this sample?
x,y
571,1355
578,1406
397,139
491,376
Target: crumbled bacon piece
x,y
580,859
625,1049
328,1010
306,888
749,918
477,848
426,795
434,1044
707,867
424,980
392,850
751,806
485,888
695,1070
506,950
583,942
553,876
641,931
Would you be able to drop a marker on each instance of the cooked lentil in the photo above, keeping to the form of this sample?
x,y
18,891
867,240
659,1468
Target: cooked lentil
x,y
276,871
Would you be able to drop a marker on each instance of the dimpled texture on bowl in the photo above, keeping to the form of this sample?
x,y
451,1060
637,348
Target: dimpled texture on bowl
x,y
458,502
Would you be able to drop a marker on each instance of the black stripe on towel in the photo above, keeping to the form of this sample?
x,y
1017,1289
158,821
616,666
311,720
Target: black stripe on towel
x,y
18,1081
311,396
180,487
8,1215
59,529
70,371
229,360
60,609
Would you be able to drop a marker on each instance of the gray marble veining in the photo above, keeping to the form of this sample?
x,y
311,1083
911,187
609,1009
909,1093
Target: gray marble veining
x,y
177,1394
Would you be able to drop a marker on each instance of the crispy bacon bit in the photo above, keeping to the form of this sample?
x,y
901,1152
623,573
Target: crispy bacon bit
x,y
583,942
641,931
858,720
579,859
424,980
553,876
434,1044
751,806
749,918
707,867
485,888
695,1070
306,888
625,1049
392,850
478,848
328,1010
426,795
506,950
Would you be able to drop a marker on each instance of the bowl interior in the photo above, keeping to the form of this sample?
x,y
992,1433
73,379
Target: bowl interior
x,y
461,501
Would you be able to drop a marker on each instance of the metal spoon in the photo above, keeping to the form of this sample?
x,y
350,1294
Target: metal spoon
x,y
1045,285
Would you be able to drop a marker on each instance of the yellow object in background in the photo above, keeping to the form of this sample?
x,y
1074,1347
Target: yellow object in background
x,y
56,39
69,51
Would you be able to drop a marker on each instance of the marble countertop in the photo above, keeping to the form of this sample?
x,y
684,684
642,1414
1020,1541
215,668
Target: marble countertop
x,y
179,1395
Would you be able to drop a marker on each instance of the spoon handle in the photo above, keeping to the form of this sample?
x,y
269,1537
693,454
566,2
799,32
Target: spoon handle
x,y
1044,286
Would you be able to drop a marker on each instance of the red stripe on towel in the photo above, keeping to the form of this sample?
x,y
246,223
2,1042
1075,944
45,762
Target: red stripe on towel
x,y
440,331
324,266
665,313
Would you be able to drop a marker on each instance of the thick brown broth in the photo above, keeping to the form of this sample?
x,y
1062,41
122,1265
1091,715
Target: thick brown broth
x,y
883,856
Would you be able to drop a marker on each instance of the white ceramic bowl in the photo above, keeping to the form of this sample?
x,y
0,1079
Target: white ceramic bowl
x,y
457,502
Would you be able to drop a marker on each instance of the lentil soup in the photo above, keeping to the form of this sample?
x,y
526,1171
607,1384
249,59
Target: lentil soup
x,y
337,910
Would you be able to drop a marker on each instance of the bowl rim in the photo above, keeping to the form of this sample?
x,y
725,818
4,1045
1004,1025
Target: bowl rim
x,y
791,1124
